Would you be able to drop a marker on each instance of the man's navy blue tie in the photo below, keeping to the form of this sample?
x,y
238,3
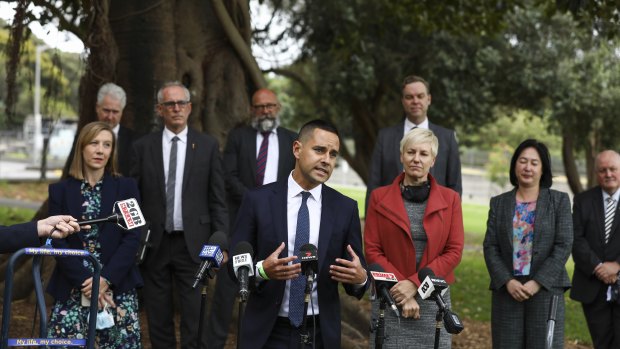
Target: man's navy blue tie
x,y
261,160
298,285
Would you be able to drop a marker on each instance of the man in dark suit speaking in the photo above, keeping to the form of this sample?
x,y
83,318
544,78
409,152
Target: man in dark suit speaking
x,y
386,165
596,252
255,154
280,217
179,173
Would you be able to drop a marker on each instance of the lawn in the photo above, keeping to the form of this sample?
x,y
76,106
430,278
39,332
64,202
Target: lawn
x,y
10,215
470,294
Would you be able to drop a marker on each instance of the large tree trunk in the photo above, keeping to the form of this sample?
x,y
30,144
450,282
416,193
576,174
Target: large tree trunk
x,y
570,168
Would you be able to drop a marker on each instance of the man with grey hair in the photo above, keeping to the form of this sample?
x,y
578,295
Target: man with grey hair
x,y
181,181
111,100
596,252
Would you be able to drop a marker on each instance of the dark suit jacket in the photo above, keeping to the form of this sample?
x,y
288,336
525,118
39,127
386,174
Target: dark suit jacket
x,y
262,222
18,236
240,161
386,165
553,238
118,247
589,248
126,137
203,202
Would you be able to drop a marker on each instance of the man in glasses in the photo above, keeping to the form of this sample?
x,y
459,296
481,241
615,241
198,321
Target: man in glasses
x,y
255,154
185,204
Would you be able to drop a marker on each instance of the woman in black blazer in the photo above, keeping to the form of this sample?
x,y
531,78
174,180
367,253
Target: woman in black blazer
x,y
527,243
90,192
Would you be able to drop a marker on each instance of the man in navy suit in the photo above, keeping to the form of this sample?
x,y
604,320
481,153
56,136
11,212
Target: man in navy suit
x,y
386,165
596,251
241,156
181,181
17,236
272,218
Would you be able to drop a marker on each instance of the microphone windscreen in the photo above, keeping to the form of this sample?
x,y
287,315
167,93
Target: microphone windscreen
x,y
425,272
308,248
375,267
242,248
220,239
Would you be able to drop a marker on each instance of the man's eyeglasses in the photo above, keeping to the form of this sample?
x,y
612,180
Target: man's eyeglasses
x,y
172,104
268,107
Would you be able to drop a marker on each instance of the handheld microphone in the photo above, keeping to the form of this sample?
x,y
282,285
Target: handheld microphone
x,y
243,267
434,288
129,215
211,256
309,264
383,282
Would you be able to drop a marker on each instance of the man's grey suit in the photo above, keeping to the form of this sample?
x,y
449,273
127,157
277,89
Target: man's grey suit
x,y
240,170
386,165
204,212
553,237
589,249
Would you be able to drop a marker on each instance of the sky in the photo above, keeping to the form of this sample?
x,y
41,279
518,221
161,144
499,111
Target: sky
x,y
64,41
267,57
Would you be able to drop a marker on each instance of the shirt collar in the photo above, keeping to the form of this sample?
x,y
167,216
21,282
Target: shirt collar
x,y
615,195
168,135
295,189
409,125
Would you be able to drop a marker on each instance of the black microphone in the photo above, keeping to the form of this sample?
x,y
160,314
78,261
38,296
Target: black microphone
x,y
433,287
243,267
211,256
553,309
309,264
383,282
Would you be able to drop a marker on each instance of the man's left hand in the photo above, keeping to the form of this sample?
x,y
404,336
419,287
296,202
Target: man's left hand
x,y
348,272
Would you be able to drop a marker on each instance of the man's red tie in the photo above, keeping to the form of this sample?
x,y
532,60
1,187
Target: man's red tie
x,y
261,160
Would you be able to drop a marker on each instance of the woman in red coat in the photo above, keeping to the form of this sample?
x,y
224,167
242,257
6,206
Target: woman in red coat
x,y
411,224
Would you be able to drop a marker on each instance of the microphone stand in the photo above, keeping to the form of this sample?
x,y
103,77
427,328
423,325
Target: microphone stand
x,y
380,335
203,307
305,338
438,322
242,304
553,309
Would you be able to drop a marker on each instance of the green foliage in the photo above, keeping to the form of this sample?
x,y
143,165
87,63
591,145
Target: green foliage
x,y
60,76
11,215
498,166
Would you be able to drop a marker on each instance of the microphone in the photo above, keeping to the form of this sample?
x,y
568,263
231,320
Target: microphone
x,y
129,215
434,288
309,264
211,256
383,282
553,309
243,267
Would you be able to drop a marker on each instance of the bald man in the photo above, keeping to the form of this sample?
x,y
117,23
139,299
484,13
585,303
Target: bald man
x,y
255,154
596,251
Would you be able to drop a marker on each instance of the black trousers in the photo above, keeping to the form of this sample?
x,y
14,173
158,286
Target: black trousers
x,y
286,336
170,265
603,320
221,311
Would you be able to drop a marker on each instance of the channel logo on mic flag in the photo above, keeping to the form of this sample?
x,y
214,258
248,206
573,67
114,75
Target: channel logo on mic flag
x,y
131,213
383,276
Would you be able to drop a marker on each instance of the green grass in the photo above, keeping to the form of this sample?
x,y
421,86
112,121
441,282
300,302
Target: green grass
x,y
10,215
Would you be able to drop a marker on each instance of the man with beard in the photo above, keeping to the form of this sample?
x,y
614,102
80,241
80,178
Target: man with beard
x,y
255,155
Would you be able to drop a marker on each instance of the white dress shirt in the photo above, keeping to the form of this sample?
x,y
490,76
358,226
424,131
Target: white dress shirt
x,y
166,143
273,156
410,125
293,202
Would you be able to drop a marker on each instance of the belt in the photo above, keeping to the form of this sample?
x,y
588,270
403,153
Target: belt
x,y
175,232
310,321
522,278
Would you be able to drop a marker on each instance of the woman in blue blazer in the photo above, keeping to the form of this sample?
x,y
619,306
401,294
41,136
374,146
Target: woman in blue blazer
x,y
90,191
